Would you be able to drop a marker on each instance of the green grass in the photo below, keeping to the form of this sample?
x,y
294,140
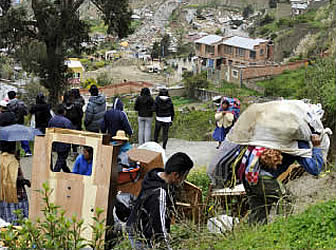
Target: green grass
x,y
98,26
233,90
180,100
287,84
313,229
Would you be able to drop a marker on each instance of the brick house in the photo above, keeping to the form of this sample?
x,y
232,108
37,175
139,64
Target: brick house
x,y
214,51
245,51
207,50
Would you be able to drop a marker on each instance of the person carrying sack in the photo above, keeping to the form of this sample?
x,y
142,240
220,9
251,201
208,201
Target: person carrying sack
x,y
262,187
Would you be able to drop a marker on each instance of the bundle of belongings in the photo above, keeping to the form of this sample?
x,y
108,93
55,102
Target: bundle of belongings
x,y
262,134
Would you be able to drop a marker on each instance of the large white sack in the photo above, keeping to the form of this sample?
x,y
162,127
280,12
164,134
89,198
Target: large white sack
x,y
278,125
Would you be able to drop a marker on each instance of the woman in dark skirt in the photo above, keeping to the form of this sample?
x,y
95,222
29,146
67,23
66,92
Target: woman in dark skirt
x,y
224,120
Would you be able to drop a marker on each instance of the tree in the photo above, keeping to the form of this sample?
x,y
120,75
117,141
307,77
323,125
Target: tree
x,y
54,31
192,82
116,15
247,11
272,3
156,50
164,45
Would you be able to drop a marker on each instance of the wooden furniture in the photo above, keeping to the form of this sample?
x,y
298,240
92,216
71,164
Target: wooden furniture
x,y
189,202
76,194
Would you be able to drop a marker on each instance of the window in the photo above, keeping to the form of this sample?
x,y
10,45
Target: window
x,y
252,54
210,49
240,52
80,162
198,46
228,50
235,73
230,62
261,52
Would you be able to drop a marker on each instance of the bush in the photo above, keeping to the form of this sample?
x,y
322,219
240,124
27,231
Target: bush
x,y
193,82
54,231
200,178
104,79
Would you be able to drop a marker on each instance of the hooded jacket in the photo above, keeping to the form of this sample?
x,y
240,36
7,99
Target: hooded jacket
x,y
42,114
144,104
19,109
163,107
74,113
116,119
94,113
152,212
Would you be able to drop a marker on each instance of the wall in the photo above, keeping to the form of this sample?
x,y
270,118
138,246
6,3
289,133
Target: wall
x,y
121,88
269,70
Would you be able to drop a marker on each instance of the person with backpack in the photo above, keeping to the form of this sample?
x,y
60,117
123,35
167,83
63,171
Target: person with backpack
x,y
148,225
263,190
20,110
224,121
116,119
95,110
164,109
144,105
41,110
74,112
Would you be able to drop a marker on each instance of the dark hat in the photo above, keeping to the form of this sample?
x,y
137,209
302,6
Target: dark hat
x,y
93,90
11,94
163,92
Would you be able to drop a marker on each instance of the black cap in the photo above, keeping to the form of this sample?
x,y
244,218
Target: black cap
x,y
93,90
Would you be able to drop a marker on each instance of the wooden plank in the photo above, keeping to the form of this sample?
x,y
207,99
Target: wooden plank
x,y
76,194
70,193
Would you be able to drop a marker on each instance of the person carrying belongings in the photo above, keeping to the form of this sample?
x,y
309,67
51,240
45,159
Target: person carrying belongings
x,y
13,195
264,189
225,117
149,223
265,141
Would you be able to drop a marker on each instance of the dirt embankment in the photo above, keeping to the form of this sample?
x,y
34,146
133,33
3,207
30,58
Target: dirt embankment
x,y
309,189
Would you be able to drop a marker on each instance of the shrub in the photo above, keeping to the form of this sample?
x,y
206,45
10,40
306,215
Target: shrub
x,y
54,231
200,178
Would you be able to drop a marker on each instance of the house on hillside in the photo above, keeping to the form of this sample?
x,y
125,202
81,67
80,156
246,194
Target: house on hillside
x,y
299,6
216,51
75,70
207,50
245,51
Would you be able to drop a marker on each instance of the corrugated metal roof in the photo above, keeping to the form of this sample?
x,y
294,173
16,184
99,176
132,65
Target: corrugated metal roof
x,y
210,39
242,42
74,64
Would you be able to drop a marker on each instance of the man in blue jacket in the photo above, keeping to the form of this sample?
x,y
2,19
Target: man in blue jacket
x,y
62,149
116,119
269,190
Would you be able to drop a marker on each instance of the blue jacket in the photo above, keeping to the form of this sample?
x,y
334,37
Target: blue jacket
x,y
311,165
116,119
94,113
82,166
59,121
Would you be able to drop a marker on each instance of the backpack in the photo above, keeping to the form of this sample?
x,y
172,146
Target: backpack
x,y
124,205
234,106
